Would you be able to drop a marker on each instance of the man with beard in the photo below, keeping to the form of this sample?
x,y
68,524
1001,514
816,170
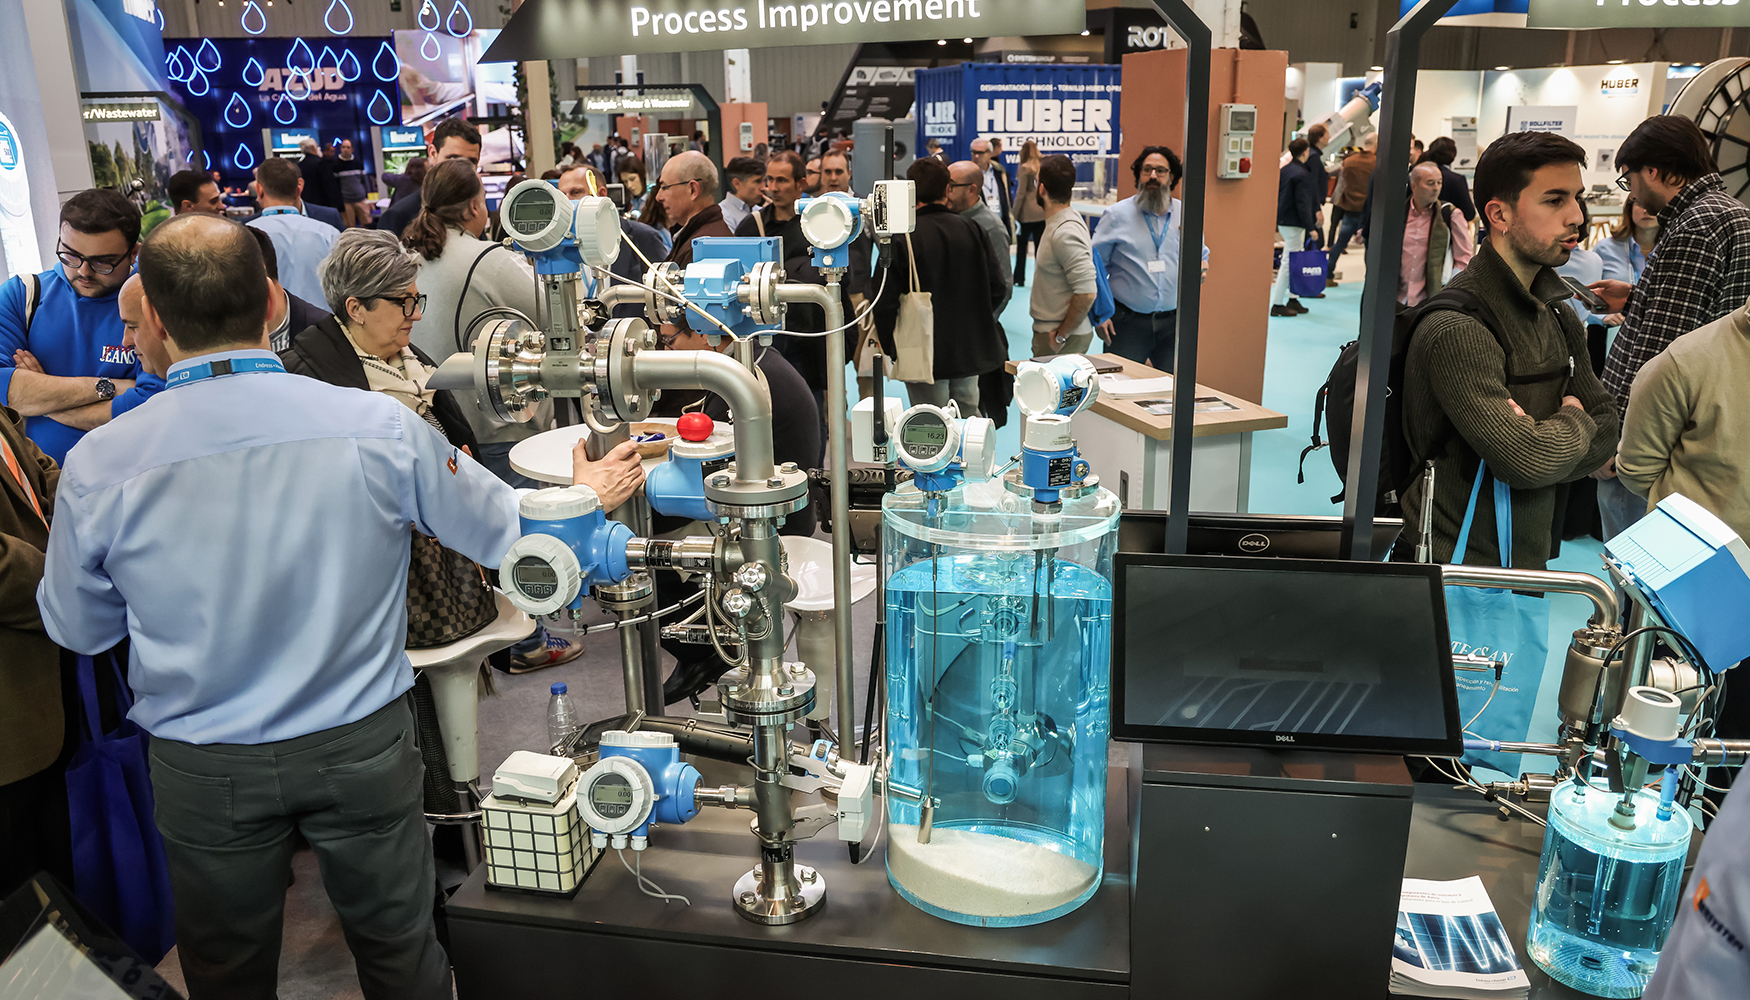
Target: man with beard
x,y
1138,241
1519,396
1437,243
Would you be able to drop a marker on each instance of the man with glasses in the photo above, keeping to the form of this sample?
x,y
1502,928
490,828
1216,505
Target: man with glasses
x,y
1698,272
299,241
995,190
1138,241
811,178
966,196
63,365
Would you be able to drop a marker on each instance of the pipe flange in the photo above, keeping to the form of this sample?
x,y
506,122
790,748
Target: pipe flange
x,y
763,280
780,698
752,902
670,278
616,388
507,368
1081,488
785,486
634,592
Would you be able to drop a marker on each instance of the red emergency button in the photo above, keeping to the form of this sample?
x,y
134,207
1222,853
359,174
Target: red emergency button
x,y
694,427
1245,164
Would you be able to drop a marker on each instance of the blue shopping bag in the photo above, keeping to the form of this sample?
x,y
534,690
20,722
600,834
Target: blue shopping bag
x,y
1307,270
1490,622
119,868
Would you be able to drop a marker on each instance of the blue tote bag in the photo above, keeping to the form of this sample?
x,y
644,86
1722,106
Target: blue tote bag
x,y
1491,622
1306,270
119,868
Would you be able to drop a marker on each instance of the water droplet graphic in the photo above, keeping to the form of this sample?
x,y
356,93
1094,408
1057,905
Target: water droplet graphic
x,y
349,67
327,58
207,159
299,85
253,72
387,112
243,159
328,18
260,21
198,84
235,105
299,56
285,110
175,68
387,65
467,21
207,53
429,8
429,49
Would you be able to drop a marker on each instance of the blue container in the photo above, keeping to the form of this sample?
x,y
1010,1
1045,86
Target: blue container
x,y
999,652
1606,897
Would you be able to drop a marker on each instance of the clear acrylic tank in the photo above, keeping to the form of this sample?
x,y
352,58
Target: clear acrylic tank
x,y
1606,896
999,624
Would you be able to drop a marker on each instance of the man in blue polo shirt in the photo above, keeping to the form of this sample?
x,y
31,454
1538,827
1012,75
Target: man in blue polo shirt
x,y
62,361
1138,240
266,658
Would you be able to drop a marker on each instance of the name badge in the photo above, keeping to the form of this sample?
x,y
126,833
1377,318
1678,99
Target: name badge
x,y
1157,267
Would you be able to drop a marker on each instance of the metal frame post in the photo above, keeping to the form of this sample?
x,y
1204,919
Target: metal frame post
x,y
1385,248
1197,38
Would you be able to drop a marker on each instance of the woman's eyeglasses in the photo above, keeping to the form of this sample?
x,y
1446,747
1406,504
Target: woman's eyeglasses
x,y
411,305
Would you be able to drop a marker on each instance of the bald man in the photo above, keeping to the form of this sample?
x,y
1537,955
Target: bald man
x,y
1437,242
688,193
132,306
965,195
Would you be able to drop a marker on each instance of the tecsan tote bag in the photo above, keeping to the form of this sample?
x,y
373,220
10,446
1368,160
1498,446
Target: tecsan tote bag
x,y
914,335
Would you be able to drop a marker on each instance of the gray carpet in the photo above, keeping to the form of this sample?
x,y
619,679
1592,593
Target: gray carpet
x,y
315,963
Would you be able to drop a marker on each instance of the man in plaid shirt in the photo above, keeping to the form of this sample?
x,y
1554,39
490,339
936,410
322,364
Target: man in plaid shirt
x,y
1699,269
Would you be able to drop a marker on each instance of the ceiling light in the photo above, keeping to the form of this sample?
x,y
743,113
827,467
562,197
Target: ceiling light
x,y
1376,69
1615,62
967,40
1500,68
939,41
1084,32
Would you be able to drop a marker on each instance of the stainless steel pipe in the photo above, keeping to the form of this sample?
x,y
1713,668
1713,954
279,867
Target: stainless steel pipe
x,y
1603,598
838,479
746,395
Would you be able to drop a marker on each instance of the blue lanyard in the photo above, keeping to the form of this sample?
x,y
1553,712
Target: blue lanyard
x,y
223,366
1161,236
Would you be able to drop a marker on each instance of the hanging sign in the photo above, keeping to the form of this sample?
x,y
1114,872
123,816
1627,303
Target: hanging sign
x,y
568,29
637,104
1639,14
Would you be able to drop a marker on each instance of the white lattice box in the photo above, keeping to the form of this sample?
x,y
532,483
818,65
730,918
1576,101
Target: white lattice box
x,y
536,847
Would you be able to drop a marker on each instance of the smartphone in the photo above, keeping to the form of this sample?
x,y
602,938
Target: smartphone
x,y
1589,298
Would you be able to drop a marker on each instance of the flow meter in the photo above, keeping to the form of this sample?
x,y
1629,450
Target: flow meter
x,y
568,545
941,448
829,223
639,779
1065,385
538,216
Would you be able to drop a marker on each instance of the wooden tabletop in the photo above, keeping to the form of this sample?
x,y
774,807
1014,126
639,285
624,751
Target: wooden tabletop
x,y
1248,417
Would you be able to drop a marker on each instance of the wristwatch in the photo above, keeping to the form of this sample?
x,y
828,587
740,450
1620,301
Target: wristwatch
x,y
105,390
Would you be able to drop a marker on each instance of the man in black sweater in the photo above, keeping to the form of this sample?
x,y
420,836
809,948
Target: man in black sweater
x,y
1522,397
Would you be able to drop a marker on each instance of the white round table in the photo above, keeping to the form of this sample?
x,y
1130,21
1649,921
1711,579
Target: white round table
x,y
547,455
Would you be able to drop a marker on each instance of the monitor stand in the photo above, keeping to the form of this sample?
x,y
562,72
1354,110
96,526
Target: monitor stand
x,y
1263,873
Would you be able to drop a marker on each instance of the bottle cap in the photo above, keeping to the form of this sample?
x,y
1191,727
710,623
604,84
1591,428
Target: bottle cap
x,y
694,426
559,688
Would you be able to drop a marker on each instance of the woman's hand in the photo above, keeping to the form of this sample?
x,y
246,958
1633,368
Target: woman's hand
x,y
614,478
1613,292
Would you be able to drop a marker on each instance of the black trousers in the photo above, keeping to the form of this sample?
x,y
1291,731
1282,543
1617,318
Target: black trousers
x,y
1145,337
1029,232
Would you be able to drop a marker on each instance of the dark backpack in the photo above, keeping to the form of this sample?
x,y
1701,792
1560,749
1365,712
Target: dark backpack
x,y
1398,463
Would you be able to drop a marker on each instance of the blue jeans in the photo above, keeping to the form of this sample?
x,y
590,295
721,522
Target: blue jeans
x,y
1618,507
1145,337
1351,224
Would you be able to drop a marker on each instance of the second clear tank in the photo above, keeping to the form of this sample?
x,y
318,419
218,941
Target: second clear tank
x,y
999,648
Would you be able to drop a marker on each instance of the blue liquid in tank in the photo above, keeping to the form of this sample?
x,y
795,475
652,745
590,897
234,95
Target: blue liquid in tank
x,y
1605,898
998,707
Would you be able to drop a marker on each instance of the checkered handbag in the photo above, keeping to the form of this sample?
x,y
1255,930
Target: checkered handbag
x,y
447,595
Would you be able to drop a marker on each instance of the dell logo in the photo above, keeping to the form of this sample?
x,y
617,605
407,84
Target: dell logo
x,y
1254,542
1285,739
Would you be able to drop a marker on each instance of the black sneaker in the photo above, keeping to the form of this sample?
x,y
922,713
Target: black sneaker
x,y
1295,304
1282,311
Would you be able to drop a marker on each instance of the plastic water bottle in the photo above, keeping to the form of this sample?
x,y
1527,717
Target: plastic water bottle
x,y
562,718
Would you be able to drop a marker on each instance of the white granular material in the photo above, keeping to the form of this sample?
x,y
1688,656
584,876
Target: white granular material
x,y
983,874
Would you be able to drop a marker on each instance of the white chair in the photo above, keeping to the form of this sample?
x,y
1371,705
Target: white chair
x,y
811,568
453,672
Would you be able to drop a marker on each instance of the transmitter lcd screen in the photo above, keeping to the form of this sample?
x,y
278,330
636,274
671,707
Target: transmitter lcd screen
x,y
1297,654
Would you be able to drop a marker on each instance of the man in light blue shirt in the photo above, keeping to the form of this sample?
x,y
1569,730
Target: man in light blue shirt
x,y
299,241
248,529
745,176
1138,241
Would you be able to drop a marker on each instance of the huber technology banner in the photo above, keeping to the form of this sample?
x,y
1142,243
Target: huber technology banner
x,y
567,29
